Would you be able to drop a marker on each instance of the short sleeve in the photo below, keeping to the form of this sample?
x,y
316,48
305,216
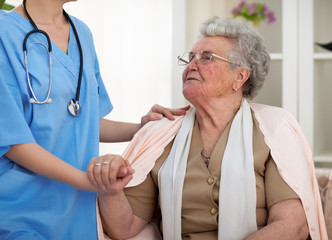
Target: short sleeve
x,y
105,105
14,128
277,189
143,198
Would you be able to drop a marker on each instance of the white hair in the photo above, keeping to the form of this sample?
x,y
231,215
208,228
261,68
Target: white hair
x,y
249,50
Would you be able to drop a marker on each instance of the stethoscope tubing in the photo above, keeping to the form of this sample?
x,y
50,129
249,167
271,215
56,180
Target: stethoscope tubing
x,y
37,31
73,105
79,83
34,98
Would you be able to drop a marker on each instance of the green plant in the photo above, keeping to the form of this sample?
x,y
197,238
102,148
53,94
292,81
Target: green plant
x,y
254,12
5,6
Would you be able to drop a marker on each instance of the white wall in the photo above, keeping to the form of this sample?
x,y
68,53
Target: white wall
x,y
133,41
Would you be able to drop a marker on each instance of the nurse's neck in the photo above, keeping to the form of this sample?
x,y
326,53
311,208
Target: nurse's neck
x,y
48,16
45,12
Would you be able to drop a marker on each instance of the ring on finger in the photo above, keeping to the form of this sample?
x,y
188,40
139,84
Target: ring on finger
x,y
105,162
97,164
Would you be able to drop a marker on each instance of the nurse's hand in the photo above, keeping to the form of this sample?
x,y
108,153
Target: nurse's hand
x,y
157,112
110,173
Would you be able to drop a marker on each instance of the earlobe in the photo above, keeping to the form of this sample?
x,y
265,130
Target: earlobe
x,y
236,86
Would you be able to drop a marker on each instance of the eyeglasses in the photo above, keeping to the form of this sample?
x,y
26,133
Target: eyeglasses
x,y
202,57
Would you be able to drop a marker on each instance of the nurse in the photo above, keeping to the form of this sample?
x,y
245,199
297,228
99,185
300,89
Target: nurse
x,y
51,122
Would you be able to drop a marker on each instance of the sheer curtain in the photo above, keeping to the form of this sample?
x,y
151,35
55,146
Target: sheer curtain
x,y
133,40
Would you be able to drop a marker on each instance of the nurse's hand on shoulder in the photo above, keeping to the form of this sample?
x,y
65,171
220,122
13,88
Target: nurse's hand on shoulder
x,y
157,112
109,173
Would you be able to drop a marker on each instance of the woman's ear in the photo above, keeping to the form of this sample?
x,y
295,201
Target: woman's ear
x,y
241,77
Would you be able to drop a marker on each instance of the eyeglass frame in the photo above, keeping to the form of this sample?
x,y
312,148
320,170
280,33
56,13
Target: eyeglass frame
x,y
183,62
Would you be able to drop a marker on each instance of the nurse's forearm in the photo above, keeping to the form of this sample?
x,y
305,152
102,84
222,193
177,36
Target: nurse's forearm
x,y
113,131
35,158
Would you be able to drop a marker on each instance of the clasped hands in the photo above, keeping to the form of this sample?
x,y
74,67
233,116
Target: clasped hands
x,y
109,173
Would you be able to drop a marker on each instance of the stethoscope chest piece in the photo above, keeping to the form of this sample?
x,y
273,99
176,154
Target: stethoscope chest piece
x,y
74,108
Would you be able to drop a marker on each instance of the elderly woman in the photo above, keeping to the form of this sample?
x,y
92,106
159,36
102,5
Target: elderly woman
x,y
234,170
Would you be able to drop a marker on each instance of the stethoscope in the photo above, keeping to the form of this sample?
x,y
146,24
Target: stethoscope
x,y
73,105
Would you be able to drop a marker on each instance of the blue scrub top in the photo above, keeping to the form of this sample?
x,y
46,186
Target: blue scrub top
x,y
31,206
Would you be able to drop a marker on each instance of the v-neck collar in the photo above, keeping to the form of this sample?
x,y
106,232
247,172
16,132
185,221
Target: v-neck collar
x,y
218,151
71,60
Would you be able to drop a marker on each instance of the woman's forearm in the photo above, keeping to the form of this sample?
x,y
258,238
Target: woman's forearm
x,y
118,219
286,220
279,231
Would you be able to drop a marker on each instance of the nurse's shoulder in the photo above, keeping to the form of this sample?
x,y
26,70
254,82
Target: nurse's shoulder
x,y
12,24
82,28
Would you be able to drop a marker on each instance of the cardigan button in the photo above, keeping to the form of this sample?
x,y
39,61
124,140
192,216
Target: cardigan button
x,y
210,180
213,210
307,208
312,228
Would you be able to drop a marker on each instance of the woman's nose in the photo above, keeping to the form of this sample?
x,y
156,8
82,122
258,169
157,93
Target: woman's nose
x,y
192,65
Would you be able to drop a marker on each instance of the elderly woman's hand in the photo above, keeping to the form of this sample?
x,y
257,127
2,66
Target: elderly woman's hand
x,y
157,112
109,173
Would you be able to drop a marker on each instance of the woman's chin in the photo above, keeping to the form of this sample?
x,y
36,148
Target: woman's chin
x,y
190,93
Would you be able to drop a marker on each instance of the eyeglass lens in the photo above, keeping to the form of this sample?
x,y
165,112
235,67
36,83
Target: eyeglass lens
x,y
201,57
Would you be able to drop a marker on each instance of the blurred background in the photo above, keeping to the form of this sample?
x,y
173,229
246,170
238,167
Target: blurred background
x,y
137,42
